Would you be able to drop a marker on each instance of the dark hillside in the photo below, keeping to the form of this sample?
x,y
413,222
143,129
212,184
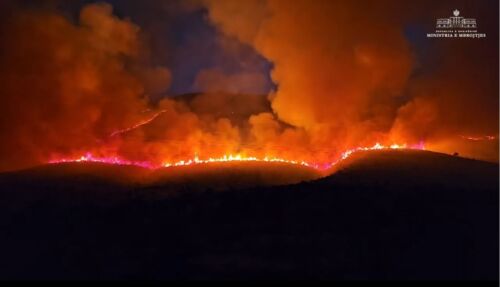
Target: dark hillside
x,y
383,215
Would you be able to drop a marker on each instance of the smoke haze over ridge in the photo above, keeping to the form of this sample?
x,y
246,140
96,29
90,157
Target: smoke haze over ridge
x,y
344,74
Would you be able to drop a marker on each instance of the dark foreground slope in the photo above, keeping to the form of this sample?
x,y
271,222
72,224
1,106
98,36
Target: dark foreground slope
x,y
383,215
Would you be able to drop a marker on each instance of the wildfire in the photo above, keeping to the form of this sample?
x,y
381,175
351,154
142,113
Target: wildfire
x,y
142,123
88,157
238,157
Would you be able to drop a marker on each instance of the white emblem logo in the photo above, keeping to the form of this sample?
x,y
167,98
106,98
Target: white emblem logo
x,y
456,26
455,21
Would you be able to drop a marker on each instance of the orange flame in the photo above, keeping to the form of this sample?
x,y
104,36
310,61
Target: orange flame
x,y
138,125
88,157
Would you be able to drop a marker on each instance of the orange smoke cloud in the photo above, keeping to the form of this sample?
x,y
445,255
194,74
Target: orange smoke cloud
x,y
338,70
64,86
70,89
343,73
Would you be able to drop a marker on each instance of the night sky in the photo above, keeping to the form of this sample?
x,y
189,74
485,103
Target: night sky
x,y
181,38
184,39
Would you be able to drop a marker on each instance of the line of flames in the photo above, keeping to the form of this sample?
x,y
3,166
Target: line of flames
x,y
88,157
139,124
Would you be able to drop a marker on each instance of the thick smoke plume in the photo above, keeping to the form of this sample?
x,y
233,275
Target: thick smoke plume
x,y
347,74
344,73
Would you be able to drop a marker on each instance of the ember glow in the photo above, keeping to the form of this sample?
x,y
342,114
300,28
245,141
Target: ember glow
x,y
88,157
138,125
480,138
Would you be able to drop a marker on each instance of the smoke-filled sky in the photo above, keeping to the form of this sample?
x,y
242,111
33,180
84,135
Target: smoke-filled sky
x,y
163,81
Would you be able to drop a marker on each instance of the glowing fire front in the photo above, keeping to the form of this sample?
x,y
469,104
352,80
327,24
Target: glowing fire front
x,y
88,157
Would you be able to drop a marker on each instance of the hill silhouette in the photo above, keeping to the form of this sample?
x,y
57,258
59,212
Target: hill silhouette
x,y
381,215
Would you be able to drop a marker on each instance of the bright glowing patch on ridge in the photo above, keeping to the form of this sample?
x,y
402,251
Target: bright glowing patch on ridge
x,y
88,157
480,138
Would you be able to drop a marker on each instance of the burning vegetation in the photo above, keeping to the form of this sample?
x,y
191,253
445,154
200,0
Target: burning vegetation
x,y
86,90
88,157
